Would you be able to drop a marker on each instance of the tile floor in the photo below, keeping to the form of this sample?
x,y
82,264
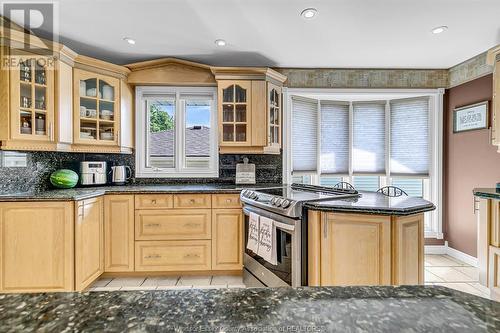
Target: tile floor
x,y
449,272
439,270
168,282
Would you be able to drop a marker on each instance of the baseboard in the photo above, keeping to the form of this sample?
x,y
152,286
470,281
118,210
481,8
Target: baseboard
x,y
454,253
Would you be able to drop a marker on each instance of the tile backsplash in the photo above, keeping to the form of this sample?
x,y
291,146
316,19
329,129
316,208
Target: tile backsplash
x,y
35,176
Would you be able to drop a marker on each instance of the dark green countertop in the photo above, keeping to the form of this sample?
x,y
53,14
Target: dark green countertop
x,y
487,193
305,309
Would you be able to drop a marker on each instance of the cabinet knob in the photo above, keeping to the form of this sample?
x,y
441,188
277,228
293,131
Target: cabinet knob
x,y
153,201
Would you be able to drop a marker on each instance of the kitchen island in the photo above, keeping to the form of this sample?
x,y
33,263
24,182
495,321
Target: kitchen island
x,y
319,309
369,240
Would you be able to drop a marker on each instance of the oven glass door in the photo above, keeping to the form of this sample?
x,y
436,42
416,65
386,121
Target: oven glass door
x,y
283,269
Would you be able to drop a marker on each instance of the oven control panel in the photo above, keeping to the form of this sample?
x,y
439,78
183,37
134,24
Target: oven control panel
x,y
274,201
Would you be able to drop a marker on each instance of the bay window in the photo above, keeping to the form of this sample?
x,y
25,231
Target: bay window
x,y
367,138
176,132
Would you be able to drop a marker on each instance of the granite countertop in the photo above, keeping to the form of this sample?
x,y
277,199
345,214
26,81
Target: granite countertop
x,y
487,193
375,203
306,309
82,193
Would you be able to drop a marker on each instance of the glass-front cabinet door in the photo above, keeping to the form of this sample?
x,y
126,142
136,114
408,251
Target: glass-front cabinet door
x,y
274,116
96,104
32,99
235,105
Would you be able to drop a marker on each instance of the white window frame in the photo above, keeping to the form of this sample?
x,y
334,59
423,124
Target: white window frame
x,y
433,188
180,170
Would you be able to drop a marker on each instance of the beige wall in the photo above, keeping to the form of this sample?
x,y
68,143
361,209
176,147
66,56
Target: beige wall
x,y
469,161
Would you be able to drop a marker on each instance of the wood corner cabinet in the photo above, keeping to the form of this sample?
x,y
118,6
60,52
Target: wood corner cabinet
x,y
89,242
27,96
96,108
250,110
37,252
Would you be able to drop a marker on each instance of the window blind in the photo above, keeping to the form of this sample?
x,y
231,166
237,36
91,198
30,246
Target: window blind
x,y
304,134
368,151
334,137
410,136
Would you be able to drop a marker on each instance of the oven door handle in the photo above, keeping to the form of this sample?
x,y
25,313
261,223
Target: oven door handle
x,y
278,224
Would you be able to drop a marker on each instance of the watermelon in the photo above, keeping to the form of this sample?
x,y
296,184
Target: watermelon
x,y
64,178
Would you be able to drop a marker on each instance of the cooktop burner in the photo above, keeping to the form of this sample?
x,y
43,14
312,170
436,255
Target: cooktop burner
x,y
288,199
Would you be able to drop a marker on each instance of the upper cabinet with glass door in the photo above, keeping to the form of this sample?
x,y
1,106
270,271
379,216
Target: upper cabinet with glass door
x,y
249,102
96,108
234,97
31,99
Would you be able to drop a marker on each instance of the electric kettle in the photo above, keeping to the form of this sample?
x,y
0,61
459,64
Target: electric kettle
x,y
119,174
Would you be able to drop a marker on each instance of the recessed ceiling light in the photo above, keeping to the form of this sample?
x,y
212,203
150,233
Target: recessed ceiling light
x,y
309,13
438,30
220,42
129,40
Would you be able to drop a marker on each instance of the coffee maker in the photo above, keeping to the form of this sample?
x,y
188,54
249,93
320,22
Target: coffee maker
x,y
93,173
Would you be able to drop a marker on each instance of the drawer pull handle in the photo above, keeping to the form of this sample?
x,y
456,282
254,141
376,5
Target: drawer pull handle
x,y
153,225
192,255
228,200
153,256
192,201
191,225
153,201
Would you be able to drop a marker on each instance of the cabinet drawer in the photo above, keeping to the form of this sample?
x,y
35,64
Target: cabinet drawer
x,y
153,201
173,255
192,201
226,201
173,224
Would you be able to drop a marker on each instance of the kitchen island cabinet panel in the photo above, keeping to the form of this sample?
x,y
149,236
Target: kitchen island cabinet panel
x,y
355,250
227,239
36,253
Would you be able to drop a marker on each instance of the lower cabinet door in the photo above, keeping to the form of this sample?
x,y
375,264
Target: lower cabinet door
x,y
494,270
182,255
89,242
119,233
36,252
355,250
408,250
227,239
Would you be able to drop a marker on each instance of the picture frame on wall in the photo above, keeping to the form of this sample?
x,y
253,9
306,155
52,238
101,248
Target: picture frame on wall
x,y
470,117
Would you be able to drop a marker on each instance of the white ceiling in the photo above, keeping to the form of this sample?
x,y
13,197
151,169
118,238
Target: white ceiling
x,y
345,34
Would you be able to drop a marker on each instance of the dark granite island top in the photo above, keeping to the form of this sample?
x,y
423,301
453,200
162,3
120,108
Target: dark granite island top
x,y
322,309
82,193
375,203
487,193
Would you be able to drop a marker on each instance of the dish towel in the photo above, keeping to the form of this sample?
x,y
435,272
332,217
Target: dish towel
x,y
267,240
253,233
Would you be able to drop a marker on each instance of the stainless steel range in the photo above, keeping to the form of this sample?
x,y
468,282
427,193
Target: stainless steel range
x,y
284,205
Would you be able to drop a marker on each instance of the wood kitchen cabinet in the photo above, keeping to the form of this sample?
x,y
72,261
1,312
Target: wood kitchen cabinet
x,y
119,233
96,108
493,59
249,102
408,250
355,250
360,249
37,246
227,239
27,96
89,242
